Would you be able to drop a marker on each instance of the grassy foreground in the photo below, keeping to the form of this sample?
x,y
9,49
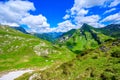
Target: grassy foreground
x,y
102,63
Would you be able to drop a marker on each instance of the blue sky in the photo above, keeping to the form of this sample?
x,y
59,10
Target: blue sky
x,y
43,16
53,10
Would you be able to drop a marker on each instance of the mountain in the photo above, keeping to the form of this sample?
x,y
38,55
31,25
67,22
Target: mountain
x,y
51,36
112,30
87,37
97,58
23,51
20,29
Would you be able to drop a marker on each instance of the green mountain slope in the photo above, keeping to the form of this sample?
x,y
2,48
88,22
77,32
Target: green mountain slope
x,y
18,50
84,38
111,30
102,63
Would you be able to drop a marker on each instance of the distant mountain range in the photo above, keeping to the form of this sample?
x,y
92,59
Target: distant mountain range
x,y
77,40
112,30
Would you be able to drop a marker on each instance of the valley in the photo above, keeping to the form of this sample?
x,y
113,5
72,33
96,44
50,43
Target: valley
x,y
59,39
79,54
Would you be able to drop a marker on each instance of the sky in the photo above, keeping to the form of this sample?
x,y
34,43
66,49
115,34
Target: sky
x,y
43,16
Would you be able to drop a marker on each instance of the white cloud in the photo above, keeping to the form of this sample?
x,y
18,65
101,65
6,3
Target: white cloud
x,y
80,10
16,12
13,11
80,4
79,13
114,18
87,19
89,3
114,3
37,23
64,26
110,10
10,24
91,20
66,16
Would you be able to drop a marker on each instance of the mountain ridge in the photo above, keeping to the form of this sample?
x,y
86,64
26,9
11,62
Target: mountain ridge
x,y
112,30
83,38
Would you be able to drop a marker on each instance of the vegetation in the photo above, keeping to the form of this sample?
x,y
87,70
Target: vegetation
x,y
18,50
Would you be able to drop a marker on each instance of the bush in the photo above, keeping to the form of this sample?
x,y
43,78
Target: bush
x,y
107,76
116,54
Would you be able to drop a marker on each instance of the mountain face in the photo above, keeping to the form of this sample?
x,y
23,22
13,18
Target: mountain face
x,y
112,30
52,36
20,29
84,38
19,50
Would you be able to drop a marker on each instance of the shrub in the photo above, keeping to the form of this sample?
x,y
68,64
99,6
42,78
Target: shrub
x,y
116,54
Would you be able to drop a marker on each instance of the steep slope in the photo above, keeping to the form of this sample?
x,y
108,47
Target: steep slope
x,y
102,63
111,30
84,38
18,50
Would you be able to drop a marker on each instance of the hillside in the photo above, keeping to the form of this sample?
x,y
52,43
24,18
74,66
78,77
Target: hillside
x,y
97,55
111,30
18,50
102,63
84,38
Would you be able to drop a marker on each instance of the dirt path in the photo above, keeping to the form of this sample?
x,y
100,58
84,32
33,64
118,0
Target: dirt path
x,y
14,74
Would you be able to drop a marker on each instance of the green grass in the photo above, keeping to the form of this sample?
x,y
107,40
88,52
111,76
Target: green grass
x,y
17,51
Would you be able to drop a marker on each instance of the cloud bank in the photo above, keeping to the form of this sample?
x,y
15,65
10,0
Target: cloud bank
x,y
17,12
80,10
